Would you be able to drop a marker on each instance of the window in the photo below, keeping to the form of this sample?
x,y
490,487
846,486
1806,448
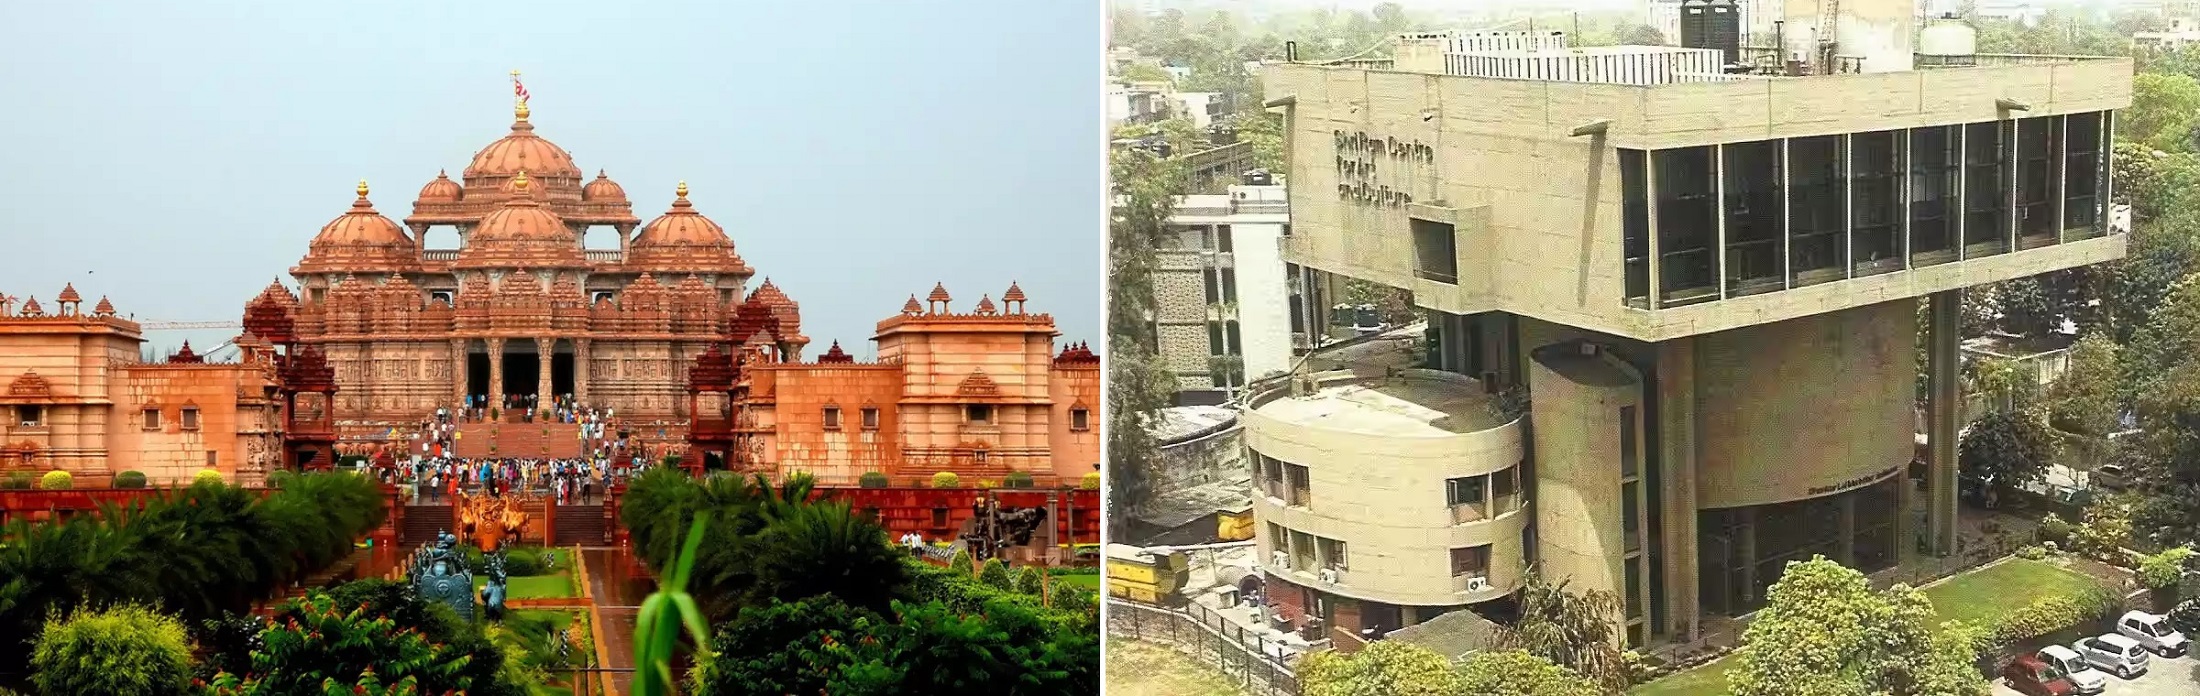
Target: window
x,y
1687,201
1296,478
1817,208
2039,166
1229,284
1215,340
1755,214
152,418
1080,419
1634,587
1628,465
1876,175
29,415
1471,562
1302,551
190,418
212,458
1468,498
870,418
978,413
978,455
1635,225
1936,166
1630,514
832,418
1985,189
1504,491
1435,251
2082,172
1272,476
1222,238
1332,552
1213,286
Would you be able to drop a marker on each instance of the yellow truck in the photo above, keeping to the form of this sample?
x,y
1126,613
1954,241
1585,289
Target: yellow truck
x,y
1141,576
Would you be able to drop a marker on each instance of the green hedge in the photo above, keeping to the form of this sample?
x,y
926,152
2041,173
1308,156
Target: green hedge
x,y
18,481
2050,614
872,479
130,479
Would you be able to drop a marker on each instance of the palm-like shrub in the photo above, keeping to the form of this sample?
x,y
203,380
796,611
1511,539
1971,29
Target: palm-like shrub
x,y
127,650
946,479
130,479
56,480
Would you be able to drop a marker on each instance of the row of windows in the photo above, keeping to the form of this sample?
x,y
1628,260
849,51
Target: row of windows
x,y
1742,218
1080,418
1296,550
189,418
1283,480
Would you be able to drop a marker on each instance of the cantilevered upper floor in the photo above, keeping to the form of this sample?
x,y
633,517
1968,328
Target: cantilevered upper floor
x,y
1659,192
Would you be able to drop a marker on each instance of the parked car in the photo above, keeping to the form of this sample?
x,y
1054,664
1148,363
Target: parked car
x,y
2031,677
2114,653
2111,477
2154,632
2186,617
2084,679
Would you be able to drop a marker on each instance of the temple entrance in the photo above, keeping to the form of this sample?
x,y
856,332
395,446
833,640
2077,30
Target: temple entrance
x,y
522,368
561,368
477,372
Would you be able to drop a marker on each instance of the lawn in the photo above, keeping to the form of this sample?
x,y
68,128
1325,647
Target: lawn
x,y
1089,581
559,584
1136,668
1978,597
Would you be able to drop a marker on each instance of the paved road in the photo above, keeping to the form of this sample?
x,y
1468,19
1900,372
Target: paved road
x,y
2166,677
616,597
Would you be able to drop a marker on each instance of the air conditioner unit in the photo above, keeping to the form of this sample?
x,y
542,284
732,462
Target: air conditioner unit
x,y
1478,584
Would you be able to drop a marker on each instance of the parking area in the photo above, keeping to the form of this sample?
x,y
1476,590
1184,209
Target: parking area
x,y
2166,677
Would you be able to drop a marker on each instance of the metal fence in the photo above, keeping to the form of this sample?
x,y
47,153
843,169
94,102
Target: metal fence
x,y
1249,659
1971,552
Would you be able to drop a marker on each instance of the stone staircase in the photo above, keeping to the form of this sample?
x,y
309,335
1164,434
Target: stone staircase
x,y
422,522
563,440
578,524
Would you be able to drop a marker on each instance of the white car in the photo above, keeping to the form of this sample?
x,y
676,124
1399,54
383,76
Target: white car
x,y
2114,653
2154,632
2081,673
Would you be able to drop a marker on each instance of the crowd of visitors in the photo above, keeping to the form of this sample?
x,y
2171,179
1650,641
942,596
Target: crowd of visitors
x,y
433,470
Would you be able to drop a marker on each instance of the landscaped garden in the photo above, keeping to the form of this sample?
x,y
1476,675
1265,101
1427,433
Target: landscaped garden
x,y
532,573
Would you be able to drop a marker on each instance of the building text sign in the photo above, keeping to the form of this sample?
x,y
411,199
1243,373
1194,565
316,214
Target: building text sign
x,y
1854,483
1363,160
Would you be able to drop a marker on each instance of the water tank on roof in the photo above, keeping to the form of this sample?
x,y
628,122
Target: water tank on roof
x,y
1713,24
1947,41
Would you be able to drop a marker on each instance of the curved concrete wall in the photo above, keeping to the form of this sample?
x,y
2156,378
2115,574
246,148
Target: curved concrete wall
x,y
1577,407
1384,497
1806,407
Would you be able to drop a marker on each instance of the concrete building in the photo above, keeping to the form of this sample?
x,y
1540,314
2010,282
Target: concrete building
x,y
1223,314
2182,32
1708,283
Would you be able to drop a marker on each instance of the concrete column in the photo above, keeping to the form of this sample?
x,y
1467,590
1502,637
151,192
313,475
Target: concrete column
x,y
1749,555
1677,461
545,349
1845,520
496,373
1943,406
580,370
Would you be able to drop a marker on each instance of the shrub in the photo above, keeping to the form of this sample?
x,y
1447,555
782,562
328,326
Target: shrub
x,y
671,460
2032,552
2163,570
946,479
520,562
1029,582
2106,530
56,480
1017,479
962,563
130,479
995,575
2054,528
127,650
18,481
2050,614
206,476
277,478
872,479
1090,482
1074,600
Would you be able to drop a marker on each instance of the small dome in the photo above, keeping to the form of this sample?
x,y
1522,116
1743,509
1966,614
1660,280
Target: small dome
x,y
442,190
522,150
939,293
520,218
603,190
682,226
68,293
361,226
1015,293
770,295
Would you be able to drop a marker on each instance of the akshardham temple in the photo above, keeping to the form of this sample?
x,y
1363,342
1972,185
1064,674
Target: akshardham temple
x,y
522,312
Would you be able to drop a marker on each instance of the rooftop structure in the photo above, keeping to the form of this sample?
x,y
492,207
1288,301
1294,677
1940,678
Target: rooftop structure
x,y
1708,279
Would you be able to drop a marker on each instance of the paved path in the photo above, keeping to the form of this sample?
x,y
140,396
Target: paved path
x,y
614,599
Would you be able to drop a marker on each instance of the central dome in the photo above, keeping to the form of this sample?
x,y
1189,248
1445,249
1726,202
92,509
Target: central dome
x,y
361,226
522,150
520,219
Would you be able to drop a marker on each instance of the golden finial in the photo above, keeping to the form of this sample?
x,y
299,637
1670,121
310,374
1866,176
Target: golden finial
x,y
682,191
362,188
519,182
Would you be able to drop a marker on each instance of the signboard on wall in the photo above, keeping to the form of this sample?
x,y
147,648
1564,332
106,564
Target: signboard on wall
x,y
1365,166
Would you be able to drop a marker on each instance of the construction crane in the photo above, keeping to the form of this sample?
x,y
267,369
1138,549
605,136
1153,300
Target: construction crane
x,y
1829,18
187,325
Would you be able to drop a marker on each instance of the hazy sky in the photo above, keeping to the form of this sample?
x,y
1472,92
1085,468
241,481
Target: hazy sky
x,y
177,156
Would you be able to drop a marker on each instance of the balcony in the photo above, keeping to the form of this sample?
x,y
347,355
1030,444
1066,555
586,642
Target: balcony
x,y
606,256
439,255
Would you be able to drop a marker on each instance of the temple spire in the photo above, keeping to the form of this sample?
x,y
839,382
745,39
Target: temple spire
x,y
519,97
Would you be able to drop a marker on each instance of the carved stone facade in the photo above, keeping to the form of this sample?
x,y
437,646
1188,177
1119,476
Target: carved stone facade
x,y
521,308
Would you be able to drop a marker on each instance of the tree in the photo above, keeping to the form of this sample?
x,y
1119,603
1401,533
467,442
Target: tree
x,y
1576,631
126,650
2004,450
822,645
995,575
1515,673
1030,581
1640,35
1383,668
2084,399
1824,632
2164,110
1138,386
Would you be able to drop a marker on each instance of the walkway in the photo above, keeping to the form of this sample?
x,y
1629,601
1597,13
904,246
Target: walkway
x,y
614,600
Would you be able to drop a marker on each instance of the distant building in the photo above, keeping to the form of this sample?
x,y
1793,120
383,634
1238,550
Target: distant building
x,y
2182,32
1223,314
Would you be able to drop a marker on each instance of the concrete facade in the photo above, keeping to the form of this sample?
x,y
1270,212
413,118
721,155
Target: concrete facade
x,y
1702,411
1220,289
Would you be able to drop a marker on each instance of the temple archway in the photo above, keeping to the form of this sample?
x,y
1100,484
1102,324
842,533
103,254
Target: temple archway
x,y
522,368
562,373
477,369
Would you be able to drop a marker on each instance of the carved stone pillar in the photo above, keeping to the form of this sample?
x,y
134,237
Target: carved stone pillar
x,y
545,351
626,233
496,372
420,240
580,370
459,378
